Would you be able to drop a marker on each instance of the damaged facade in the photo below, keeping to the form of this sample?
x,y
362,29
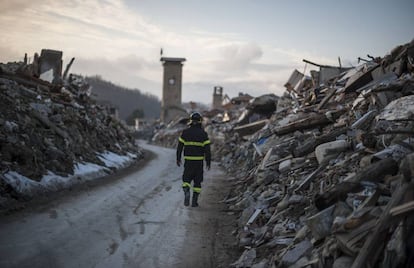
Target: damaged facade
x,y
324,174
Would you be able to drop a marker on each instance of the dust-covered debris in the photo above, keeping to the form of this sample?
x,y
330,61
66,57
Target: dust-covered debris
x,y
52,134
324,177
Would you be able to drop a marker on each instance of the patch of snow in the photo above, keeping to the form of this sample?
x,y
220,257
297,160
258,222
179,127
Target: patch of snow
x,y
20,183
133,156
115,160
53,182
87,168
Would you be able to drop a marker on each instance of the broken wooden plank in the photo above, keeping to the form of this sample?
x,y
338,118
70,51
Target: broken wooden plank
x,y
305,183
313,120
407,167
65,74
371,200
394,131
373,246
365,120
251,128
402,209
266,158
374,172
254,216
349,242
278,161
327,98
50,125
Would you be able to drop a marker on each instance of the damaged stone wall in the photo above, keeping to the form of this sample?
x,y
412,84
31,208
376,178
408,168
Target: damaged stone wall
x,y
327,180
49,127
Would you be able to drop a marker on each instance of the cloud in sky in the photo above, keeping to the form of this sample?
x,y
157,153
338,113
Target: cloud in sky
x,y
121,42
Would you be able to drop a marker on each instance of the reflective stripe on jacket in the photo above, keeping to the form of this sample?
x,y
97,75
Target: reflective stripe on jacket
x,y
196,144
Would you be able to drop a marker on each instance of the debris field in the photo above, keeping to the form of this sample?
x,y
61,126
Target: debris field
x,y
323,175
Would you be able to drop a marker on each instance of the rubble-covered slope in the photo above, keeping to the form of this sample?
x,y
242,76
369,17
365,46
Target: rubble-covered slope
x,y
328,180
52,131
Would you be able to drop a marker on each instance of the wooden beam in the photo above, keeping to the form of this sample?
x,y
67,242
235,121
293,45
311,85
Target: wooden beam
x,y
374,173
402,209
311,121
373,246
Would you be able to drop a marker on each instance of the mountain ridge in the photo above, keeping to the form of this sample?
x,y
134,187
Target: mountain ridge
x,y
126,100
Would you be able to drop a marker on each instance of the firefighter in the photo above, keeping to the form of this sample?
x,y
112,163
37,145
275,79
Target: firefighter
x,y
196,144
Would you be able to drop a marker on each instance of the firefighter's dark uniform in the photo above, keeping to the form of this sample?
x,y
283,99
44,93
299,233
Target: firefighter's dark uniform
x,y
196,144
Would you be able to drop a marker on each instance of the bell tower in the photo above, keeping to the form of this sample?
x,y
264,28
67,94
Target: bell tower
x,y
171,88
217,97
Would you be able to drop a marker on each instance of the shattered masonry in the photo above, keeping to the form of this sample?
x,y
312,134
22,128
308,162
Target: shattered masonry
x,y
49,123
324,174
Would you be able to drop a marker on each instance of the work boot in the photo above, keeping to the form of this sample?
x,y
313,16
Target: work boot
x,y
186,196
195,199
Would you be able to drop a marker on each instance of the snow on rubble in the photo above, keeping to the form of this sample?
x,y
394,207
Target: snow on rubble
x,y
53,134
82,172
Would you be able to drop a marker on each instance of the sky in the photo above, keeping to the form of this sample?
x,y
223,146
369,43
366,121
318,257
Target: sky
x,y
249,46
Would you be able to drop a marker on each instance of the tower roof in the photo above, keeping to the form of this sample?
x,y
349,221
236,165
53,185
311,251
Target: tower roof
x,y
167,59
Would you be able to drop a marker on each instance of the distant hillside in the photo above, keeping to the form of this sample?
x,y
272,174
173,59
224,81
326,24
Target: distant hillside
x,y
125,99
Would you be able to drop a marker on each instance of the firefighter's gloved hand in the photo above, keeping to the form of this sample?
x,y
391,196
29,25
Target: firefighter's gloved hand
x,y
208,167
178,162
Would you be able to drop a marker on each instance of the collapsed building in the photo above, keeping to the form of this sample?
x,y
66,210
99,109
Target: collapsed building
x,y
49,125
324,176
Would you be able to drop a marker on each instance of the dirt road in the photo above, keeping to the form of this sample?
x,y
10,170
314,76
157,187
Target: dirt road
x,y
137,220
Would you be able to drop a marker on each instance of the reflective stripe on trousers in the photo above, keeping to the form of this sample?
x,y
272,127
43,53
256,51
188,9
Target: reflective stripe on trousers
x,y
195,189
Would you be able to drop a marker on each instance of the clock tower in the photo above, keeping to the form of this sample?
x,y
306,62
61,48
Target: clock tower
x,y
171,89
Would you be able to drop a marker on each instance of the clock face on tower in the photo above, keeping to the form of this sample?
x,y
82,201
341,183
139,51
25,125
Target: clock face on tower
x,y
171,81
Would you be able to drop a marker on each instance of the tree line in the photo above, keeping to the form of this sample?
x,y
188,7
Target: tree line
x,y
129,102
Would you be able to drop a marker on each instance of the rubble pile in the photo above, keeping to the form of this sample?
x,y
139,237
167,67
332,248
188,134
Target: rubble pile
x,y
326,180
50,127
